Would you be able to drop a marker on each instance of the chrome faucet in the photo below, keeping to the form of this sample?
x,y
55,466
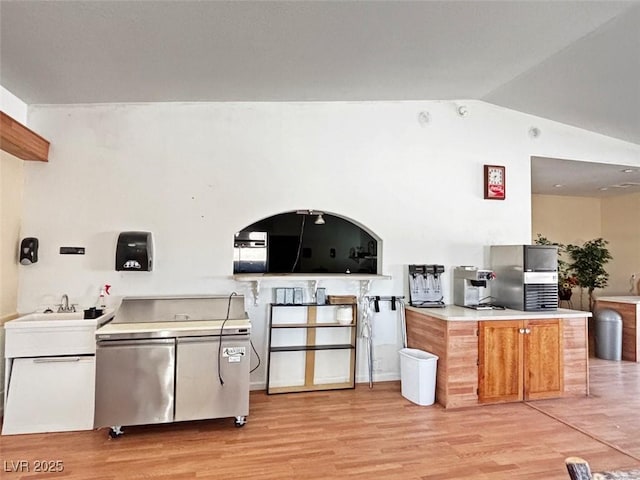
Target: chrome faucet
x,y
64,307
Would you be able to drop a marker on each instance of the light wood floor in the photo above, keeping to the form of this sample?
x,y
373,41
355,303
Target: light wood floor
x,y
362,434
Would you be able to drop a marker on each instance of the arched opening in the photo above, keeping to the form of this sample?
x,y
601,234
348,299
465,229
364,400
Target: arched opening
x,y
305,241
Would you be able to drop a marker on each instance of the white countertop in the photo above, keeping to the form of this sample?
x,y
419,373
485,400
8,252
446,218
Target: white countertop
x,y
180,326
621,299
456,313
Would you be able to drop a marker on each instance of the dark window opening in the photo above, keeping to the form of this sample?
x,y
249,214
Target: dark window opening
x,y
299,243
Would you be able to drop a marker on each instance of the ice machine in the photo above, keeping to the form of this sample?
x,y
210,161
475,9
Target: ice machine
x,y
526,276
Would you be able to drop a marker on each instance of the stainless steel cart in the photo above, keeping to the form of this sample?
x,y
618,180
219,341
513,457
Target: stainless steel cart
x,y
166,359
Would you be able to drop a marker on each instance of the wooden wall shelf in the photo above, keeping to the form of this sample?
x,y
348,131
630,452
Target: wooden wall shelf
x,y
20,141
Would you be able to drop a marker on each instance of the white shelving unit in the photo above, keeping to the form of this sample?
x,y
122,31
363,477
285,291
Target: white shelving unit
x,y
309,350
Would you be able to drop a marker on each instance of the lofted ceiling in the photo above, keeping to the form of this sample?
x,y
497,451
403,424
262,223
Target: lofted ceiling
x,y
576,62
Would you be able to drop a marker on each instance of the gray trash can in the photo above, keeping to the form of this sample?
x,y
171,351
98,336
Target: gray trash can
x,y
608,334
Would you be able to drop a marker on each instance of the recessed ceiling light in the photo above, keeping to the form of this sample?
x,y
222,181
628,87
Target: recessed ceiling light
x,y
604,188
558,185
628,170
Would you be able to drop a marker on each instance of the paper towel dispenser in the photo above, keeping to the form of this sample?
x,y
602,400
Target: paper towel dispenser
x,y
134,252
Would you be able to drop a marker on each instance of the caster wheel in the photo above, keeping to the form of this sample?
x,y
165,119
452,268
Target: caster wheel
x,y
240,422
115,432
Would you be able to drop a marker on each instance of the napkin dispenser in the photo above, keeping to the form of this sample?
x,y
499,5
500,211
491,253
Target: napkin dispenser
x,y
134,252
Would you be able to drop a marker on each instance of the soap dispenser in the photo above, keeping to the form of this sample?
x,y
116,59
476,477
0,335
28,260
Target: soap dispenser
x,y
29,250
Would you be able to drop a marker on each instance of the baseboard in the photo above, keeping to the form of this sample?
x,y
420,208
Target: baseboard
x,y
379,377
360,380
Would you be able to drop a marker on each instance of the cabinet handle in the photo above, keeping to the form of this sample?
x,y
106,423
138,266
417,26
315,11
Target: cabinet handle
x,y
521,330
527,330
56,359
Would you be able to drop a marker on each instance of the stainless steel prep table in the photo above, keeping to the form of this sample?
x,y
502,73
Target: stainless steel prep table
x,y
165,359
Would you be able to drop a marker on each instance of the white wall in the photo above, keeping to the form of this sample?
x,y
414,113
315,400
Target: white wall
x,y
13,106
193,174
568,220
621,227
11,187
576,220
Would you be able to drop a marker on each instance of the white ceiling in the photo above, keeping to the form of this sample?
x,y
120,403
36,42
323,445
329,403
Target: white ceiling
x,y
577,62
552,176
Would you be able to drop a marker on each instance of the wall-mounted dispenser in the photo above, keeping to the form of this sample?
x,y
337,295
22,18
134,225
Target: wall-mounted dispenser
x,y
134,252
29,250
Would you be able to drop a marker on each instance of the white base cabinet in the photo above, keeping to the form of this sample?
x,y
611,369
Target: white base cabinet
x,y
49,394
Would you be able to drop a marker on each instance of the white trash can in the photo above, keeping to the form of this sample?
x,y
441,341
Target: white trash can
x,y
418,375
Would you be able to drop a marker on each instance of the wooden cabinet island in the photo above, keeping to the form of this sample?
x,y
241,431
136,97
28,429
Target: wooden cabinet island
x,y
496,356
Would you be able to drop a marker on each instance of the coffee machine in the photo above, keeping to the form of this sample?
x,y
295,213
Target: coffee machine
x,y
469,286
425,287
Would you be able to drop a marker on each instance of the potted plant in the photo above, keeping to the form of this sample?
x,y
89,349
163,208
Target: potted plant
x,y
566,282
588,265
